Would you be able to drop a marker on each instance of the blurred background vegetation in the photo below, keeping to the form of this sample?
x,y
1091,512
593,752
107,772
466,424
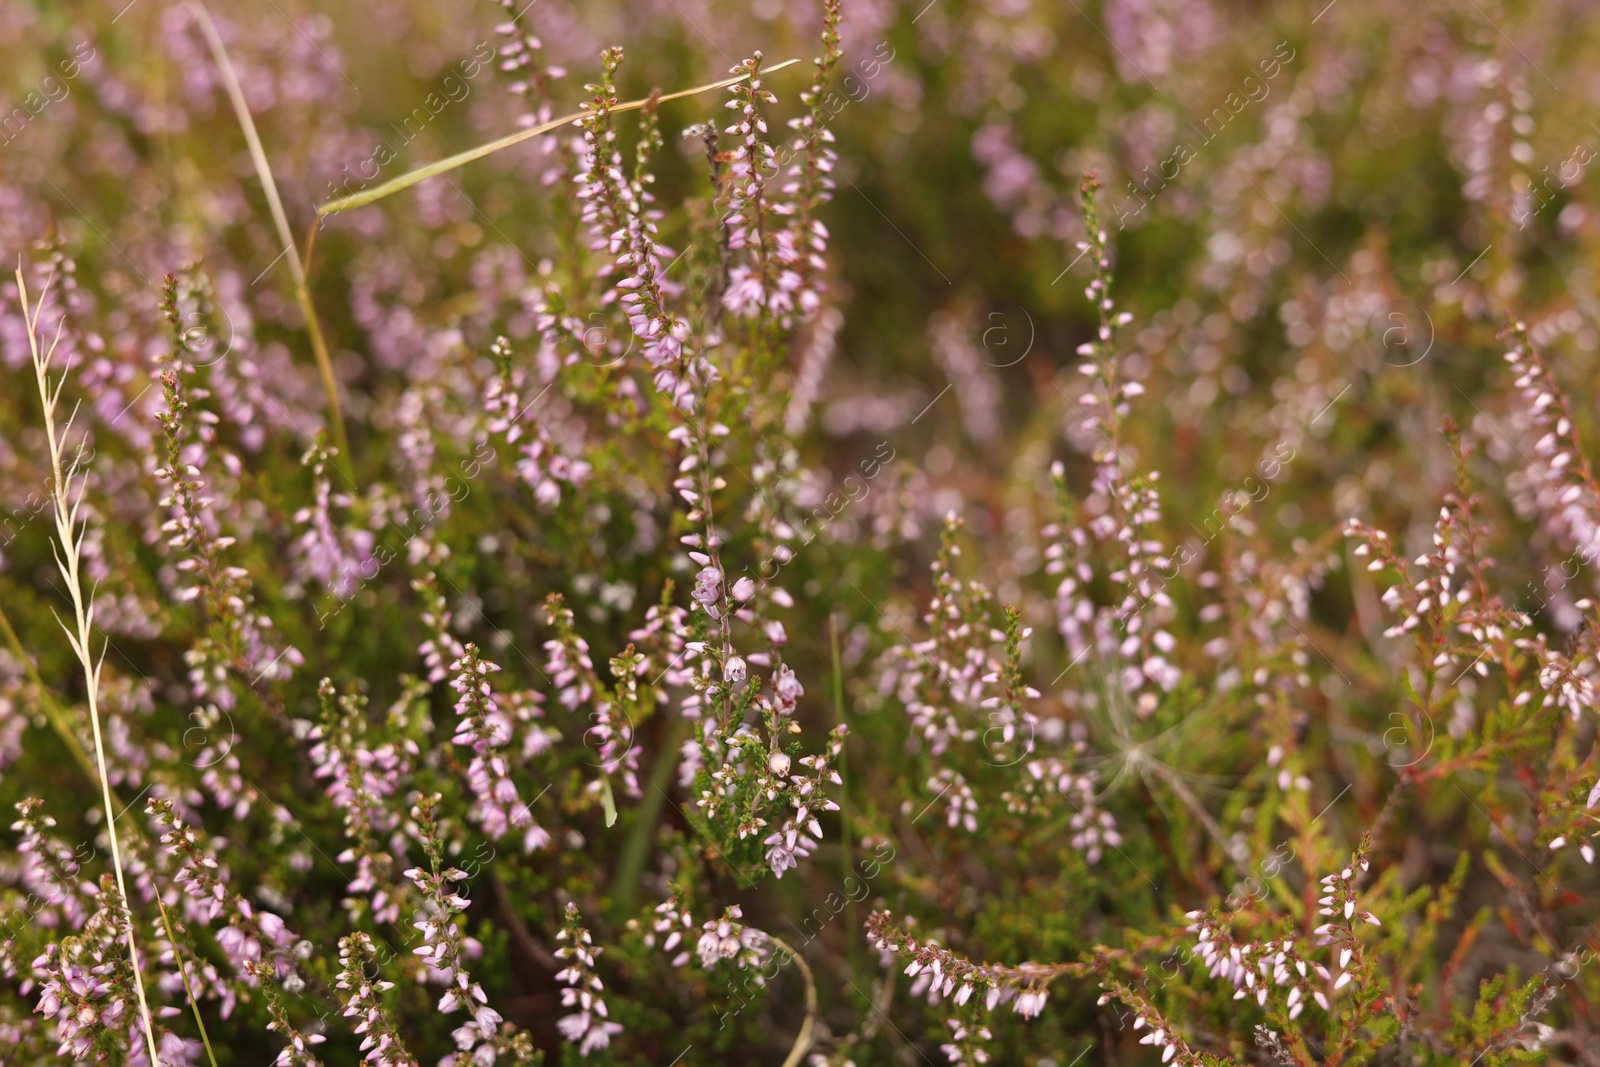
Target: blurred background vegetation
x,y
1325,277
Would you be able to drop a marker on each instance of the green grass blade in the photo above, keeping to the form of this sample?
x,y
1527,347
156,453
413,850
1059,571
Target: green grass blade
x,y
432,170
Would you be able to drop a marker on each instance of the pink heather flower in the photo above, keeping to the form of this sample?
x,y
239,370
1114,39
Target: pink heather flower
x,y
361,781
442,944
611,729
961,807
251,935
940,973
339,560
676,922
621,225
379,1040
521,58
1047,782
487,731
298,1050
237,640
788,846
77,1000
1254,970
726,939
1129,631
587,1027
544,465
800,247
442,647
49,871
756,282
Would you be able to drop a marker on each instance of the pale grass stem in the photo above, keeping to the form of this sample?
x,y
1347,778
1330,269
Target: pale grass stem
x,y
802,1041
280,222
69,536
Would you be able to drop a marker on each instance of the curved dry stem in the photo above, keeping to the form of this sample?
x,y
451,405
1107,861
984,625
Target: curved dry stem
x,y
802,1041
68,560
302,293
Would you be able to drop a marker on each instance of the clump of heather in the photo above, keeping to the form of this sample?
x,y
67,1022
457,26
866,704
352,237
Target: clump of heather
x,y
989,533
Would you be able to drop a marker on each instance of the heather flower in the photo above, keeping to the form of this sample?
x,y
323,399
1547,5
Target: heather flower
x,y
677,922
788,845
588,1027
1124,508
941,680
1048,782
800,247
953,341
1162,1035
441,648
965,1047
943,974
544,465
86,989
662,639
623,226
236,639
78,999
443,948
487,731
337,559
1255,970
521,58
1558,484
1339,905
1010,736
738,782
961,808
756,282
759,777
612,709
50,871
12,720
298,1052
1585,849
251,935
379,1040
726,939
363,777
567,660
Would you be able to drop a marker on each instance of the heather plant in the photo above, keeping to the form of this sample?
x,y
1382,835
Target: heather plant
x,y
829,534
